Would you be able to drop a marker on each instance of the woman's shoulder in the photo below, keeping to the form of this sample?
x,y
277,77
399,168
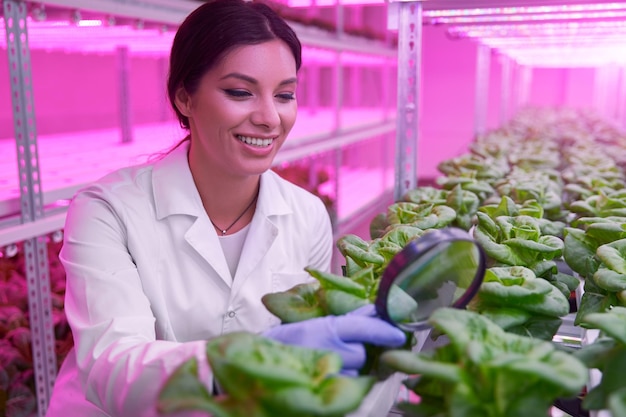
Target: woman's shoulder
x,y
136,181
127,180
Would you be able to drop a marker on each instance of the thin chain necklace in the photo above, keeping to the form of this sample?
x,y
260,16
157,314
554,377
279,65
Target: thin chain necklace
x,y
224,231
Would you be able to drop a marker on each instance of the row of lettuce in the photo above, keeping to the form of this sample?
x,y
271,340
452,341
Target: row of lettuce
x,y
545,197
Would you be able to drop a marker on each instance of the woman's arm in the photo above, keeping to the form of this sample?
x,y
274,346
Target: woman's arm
x,y
121,364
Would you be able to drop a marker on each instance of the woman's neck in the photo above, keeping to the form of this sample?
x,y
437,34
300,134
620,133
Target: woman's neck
x,y
229,201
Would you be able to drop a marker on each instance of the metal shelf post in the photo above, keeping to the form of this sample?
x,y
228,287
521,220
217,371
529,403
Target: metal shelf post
x,y
505,101
483,67
123,79
409,74
31,200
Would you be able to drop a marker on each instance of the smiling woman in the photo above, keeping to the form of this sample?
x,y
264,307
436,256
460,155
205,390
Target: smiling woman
x,y
239,117
162,257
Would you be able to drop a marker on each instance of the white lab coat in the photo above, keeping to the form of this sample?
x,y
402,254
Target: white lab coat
x,y
148,284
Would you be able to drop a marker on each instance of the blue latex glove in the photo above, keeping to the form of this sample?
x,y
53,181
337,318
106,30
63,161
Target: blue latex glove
x,y
344,335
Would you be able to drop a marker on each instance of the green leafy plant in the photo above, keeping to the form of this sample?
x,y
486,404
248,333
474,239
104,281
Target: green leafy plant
x,y
331,295
519,302
608,354
465,203
263,378
485,372
543,187
598,254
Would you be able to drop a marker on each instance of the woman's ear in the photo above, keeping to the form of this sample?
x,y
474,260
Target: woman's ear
x,y
183,102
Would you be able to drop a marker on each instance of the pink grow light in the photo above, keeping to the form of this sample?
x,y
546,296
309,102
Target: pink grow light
x,y
565,44
93,22
510,18
558,35
500,11
93,36
540,30
328,3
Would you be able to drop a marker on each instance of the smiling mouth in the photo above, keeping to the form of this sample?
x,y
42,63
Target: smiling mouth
x,y
260,142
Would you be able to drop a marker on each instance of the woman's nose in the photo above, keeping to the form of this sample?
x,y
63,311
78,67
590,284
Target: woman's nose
x,y
266,114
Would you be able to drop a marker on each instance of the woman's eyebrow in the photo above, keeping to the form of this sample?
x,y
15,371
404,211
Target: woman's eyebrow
x,y
293,80
251,80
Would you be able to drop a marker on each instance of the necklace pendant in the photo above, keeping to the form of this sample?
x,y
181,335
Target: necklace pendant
x,y
224,232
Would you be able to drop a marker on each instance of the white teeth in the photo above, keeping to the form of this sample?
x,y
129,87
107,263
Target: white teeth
x,y
255,141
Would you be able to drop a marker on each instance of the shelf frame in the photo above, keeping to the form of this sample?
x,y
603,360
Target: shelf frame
x,y
31,200
409,24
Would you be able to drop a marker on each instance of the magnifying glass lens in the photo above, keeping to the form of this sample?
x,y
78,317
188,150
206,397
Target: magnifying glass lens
x,y
445,274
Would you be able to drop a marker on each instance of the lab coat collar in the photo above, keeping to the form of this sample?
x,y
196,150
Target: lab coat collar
x,y
172,184
271,201
175,193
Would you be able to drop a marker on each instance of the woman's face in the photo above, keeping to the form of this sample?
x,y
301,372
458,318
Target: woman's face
x,y
243,109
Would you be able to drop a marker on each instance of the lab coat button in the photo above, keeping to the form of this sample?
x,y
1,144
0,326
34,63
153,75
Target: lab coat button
x,y
231,314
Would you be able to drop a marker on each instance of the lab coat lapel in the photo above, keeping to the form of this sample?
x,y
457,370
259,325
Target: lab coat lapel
x,y
260,238
203,239
263,231
175,194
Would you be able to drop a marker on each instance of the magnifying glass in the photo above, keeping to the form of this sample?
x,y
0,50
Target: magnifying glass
x,y
442,268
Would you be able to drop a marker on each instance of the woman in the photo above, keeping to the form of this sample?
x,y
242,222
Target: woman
x,y
163,256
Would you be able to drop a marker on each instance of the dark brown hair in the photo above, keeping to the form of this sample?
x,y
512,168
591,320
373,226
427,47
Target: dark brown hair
x,y
212,30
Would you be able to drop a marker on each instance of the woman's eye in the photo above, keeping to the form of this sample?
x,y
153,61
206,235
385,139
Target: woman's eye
x,y
286,96
237,93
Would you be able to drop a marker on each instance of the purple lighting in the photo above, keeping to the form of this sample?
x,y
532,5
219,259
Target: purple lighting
x,y
93,36
553,44
508,18
328,3
94,22
96,36
540,30
496,12
578,35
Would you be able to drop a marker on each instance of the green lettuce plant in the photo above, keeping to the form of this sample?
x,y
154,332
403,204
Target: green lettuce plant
x,y
608,354
485,372
598,254
468,181
331,294
517,241
601,205
509,207
263,378
423,216
483,166
519,302
543,187
464,203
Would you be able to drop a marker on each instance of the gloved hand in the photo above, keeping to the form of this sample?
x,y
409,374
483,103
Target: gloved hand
x,y
344,335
